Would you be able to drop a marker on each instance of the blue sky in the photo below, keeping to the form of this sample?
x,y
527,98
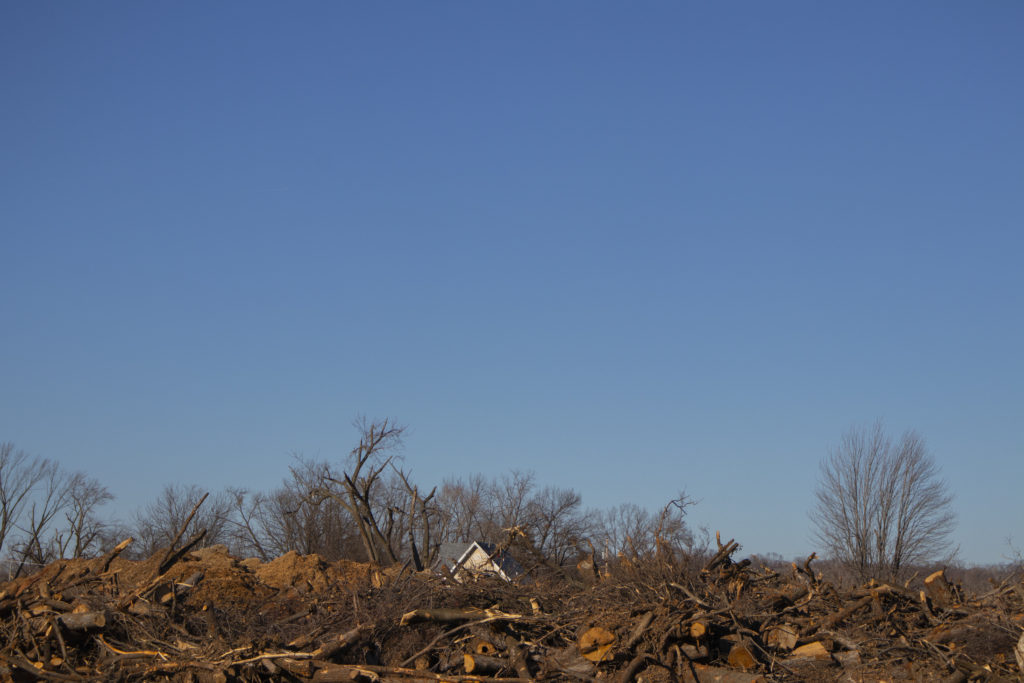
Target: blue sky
x,y
634,247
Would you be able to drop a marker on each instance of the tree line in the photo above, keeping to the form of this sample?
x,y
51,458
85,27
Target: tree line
x,y
881,509
365,508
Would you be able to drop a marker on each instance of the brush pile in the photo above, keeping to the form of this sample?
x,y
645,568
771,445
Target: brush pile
x,y
206,616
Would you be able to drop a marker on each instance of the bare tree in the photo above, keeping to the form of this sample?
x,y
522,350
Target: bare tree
x,y
881,506
157,524
359,486
85,532
20,473
463,505
49,499
556,523
288,518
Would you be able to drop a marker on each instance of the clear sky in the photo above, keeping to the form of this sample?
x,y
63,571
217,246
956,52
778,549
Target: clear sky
x,y
634,247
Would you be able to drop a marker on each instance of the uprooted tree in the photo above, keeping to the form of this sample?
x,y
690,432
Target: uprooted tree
x,y
881,505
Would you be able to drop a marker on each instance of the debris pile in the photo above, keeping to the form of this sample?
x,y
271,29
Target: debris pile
x,y
206,616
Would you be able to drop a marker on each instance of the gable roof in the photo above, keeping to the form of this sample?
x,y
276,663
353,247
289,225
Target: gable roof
x,y
454,555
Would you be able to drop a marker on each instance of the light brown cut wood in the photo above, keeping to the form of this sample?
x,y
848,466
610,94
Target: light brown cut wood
x,y
741,657
595,643
698,629
938,589
816,651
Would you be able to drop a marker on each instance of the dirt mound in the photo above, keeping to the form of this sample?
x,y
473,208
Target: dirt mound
x,y
225,582
310,574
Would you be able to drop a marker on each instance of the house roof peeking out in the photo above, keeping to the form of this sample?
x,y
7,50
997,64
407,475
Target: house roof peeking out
x,y
476,558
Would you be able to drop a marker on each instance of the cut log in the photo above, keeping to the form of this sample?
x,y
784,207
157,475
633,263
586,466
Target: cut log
x,y
698,629
741,657
1018,652
938,589
484,647
595,643
811,651
83,621
482,664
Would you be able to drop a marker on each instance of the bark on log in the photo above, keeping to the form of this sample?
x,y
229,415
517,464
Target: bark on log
x,y
482,664
335,644
339,673
447,614
782,637
83,621
714,674
517,655
633,668
639,630
833,619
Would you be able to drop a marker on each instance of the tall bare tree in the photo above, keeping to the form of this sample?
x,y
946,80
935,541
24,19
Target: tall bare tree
x,y
881,505
84,531
358,488
20,474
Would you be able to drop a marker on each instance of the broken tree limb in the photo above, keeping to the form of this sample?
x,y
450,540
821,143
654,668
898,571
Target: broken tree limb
x,y
172,557
83,621
335,644
166,562
639,630
114,552
338,673
939,590
443,614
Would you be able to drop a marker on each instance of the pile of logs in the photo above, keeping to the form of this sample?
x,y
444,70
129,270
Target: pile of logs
x,y
723,621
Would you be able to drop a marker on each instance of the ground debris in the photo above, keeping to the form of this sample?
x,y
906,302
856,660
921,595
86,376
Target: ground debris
x,y
207,616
